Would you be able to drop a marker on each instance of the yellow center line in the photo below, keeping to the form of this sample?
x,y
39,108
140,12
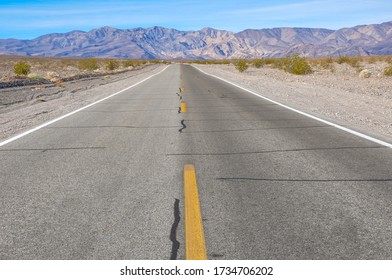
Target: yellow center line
x,y
195,247
183,107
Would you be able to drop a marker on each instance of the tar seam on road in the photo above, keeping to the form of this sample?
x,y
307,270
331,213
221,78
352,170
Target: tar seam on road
x,y
272,151
128,111
367,137
304,180
260,129
76,111
183,126
109,126
52,149
179,110
195,247
173,232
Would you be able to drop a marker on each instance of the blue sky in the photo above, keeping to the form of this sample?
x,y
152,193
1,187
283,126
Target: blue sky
x,y
24,19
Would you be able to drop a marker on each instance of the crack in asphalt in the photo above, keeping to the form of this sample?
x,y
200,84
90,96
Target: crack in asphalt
x,y
173,231
183,126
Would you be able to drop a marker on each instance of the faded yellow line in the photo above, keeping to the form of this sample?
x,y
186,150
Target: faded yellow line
x,y
182,89
183,107
195,247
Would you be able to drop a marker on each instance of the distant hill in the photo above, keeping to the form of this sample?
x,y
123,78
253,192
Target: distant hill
x,y
208,43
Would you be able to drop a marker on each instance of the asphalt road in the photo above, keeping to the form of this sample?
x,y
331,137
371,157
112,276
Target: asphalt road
x,y
107,182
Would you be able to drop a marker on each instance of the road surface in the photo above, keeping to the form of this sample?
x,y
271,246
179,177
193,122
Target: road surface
x,y
107,181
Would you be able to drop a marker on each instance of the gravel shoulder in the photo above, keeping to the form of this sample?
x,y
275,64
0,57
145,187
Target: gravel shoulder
x,y
22,108
362,104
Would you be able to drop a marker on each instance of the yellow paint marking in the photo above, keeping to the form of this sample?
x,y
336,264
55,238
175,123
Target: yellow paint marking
x,y
195,246
183,107
182,89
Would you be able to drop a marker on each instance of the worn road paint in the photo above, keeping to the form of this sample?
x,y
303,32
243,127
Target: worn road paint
x,y
183,107
195,247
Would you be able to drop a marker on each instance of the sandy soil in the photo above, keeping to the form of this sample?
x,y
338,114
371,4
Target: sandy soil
x,y
341,96
22,108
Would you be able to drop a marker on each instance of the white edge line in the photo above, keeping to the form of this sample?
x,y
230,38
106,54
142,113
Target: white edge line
x,y
367,137
76,111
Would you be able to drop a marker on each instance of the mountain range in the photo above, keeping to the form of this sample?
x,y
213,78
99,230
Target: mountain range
x,y
207,43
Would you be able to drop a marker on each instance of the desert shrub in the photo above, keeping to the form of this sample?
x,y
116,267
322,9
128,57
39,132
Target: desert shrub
x,y
352,61
388,70
35,76
269,61
326,63
241,65
90,64
133,63
68,62
296,65
372,60
22,68
112,64
154,61
258,63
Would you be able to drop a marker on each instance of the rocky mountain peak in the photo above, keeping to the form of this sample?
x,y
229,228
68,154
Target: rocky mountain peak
x,y
166,43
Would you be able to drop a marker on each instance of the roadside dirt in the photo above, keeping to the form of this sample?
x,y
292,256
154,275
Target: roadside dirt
x,y
25,107
341,95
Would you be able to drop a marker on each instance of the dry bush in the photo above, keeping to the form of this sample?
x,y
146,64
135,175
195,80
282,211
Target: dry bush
x,y
241,65
22,68
324,63
112,64
294,64
388,70
258,63
89,64
353,61
132,63
35,76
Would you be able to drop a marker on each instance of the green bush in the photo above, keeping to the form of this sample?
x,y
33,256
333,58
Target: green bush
x,y
296,65
22,68
112,65
90,64
241,65
388,70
